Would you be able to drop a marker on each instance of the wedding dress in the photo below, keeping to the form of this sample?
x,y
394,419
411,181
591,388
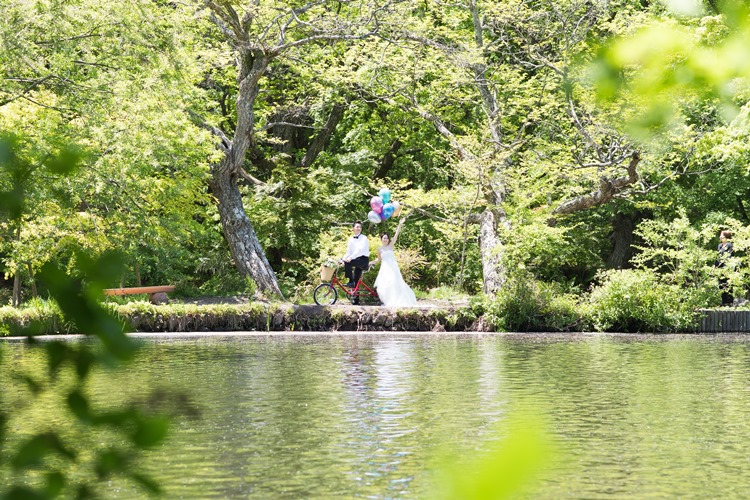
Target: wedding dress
x,y
392,289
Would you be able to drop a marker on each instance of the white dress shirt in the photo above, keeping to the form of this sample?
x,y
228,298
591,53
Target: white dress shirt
x,y
357,247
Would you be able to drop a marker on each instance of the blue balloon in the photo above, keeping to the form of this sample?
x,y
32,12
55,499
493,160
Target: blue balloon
x,y
388,210
385,194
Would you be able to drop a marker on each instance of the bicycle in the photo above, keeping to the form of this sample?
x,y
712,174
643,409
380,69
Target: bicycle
x,y
326,294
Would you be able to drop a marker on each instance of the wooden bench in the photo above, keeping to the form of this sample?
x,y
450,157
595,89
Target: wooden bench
x,y
156,294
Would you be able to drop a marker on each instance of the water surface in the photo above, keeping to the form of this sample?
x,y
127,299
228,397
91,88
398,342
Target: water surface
x,y
360,415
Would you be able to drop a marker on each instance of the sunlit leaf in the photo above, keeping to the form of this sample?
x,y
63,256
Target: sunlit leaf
x,y
513,464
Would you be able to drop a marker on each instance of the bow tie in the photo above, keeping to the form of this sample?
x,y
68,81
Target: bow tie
x,y
357,236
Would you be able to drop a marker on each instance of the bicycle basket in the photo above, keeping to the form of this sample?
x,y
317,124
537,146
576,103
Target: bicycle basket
x,y
326,273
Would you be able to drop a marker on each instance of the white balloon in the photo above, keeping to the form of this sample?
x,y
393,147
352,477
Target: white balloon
x,y
373,217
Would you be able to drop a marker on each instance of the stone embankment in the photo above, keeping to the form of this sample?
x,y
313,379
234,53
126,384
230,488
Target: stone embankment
x,y
283,317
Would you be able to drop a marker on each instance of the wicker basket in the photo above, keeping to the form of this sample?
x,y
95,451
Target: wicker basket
x,y
326,273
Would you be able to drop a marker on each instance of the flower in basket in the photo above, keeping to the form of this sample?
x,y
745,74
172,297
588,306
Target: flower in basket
x,y
326,271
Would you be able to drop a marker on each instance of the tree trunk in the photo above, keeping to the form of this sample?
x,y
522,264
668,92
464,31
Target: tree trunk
x,y
244,246
622,241
389,159
17,287
138,274
33,281
320,141
491,249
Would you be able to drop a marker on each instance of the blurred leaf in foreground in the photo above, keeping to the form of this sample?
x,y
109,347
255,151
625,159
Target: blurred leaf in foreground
x,y
508,468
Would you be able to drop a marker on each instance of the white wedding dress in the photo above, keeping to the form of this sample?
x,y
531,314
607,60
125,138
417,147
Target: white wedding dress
x,y
392,289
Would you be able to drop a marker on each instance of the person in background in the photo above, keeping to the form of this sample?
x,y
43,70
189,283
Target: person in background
x,y
725,252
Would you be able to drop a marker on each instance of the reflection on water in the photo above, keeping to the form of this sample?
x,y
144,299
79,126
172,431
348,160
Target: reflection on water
x,y
365,416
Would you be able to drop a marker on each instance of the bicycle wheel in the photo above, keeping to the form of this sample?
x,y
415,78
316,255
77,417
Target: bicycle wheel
x,y
325,294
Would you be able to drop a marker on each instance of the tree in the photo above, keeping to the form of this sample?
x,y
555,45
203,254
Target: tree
x,y
498,81
114,77
259,37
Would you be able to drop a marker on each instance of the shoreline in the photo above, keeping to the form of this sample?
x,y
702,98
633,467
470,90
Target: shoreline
x,y
395,335
264,317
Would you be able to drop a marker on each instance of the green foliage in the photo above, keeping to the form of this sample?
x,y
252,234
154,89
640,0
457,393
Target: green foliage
x,y
127,79
639,300
69,457
676,250
525,304
116,78
674,57
567,254
36,317
507,469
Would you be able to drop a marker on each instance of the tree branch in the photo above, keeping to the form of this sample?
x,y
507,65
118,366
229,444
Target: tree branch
x,y
608,189
29,88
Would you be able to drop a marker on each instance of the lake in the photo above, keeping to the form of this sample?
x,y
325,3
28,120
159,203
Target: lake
x,y
369,415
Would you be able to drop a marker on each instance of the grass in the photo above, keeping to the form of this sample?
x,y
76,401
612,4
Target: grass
x,y
442,293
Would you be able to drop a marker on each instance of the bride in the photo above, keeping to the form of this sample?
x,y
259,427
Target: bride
x,y
392,289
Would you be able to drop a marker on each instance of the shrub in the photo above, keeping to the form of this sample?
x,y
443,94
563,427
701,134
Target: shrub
x,y
36,317
525,304
638,300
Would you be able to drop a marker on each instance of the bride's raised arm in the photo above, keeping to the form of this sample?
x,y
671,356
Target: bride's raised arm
x,y
398,230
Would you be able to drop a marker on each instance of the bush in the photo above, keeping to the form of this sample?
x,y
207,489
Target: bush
x,y
638,300
36,317
525,304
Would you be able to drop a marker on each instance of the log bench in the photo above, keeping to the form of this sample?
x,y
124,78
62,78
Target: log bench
x,y
156,294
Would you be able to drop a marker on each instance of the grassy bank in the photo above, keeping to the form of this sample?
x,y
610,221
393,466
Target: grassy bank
x,y
627,302
41,318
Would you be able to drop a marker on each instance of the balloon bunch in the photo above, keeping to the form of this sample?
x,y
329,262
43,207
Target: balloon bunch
x,y
382,207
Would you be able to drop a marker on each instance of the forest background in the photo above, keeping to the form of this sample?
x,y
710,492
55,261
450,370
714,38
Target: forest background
x,y
545,158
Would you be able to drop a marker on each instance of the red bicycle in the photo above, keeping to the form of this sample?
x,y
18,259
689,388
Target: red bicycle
x,y
326,293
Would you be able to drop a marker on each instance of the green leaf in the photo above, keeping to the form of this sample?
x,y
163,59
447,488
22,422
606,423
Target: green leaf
x,y
3,426
24,493
79,405
85,312
33,451
83,360
504,471
55,482
57,354
151,432
66,161
149,484
34,386
110,462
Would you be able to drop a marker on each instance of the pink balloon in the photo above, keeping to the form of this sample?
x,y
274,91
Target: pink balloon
x,y
376,203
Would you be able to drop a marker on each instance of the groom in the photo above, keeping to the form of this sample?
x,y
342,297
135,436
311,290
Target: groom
x,y
357,256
